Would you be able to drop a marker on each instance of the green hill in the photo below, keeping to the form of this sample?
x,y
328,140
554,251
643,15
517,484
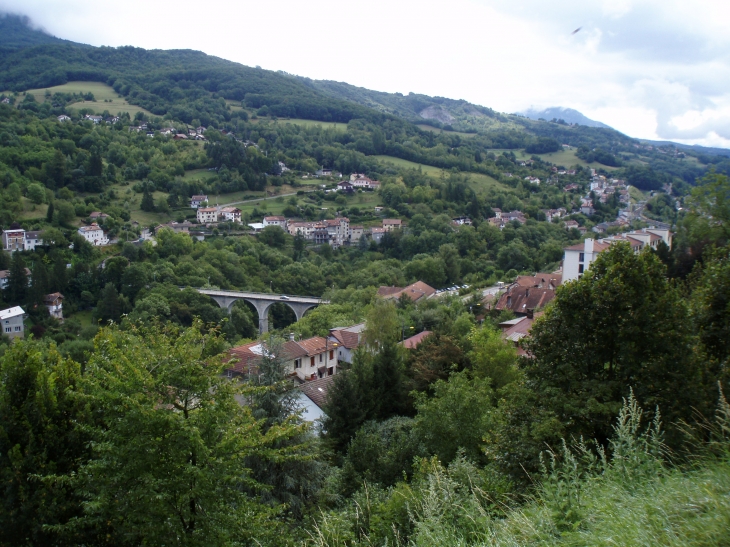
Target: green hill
x,y
16,32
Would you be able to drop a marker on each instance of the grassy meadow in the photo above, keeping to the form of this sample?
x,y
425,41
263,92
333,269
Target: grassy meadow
x,y
106,97
481,183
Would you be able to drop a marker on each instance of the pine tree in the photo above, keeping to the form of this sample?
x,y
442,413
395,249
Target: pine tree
x,y
39,287
148,204
49,213
17,287
58,283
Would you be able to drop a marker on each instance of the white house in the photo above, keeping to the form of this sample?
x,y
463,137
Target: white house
x,y
578,258
12,322
94,234
32,239
63,118
275,221
230,214
197,201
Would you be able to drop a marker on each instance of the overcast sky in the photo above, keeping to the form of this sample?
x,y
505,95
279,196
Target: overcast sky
x,y
655,69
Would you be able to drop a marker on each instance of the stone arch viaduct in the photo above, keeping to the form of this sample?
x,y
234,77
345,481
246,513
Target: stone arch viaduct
x,y
262,302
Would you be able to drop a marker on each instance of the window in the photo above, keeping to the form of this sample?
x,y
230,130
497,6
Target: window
x,y
332,354
8,329
580,268
17,329
297,363
311,362
320,357
581,257
7,322
330,371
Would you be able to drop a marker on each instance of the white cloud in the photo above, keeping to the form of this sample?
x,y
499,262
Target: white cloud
x,y
650,68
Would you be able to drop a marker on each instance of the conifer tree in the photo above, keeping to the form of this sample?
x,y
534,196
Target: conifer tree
x,y
17,288
110,306
49,213
147,204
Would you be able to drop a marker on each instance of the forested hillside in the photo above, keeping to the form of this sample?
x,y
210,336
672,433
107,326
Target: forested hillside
x,y
122,424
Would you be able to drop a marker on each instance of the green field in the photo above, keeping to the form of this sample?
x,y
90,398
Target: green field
x,y
433,129
102,92
565,157
304,123
479,182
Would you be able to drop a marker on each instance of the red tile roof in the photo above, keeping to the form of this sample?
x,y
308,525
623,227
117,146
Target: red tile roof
x,y
349,340
414,341
316,390
415,292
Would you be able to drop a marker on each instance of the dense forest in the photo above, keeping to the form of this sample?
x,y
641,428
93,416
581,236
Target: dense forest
x,y
118,426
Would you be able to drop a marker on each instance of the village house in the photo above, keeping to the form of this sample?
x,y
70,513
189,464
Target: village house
x,y
377,234
304,359
92,118
390,224
519,216
207,215
54,303
279,221
514,330
229,214
461,221
338,229
578,258
14,239
361,181
529,293
497,212
551,214
345,186
93,234
31,240
416,291
12,322
587,207
64,118
305,229
5,100
571,224
355,233
414,341
313,397
97,215
347,340
5,275
198,201
177,227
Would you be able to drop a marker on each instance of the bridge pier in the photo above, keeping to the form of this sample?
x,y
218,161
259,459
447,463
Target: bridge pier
x,y
262,308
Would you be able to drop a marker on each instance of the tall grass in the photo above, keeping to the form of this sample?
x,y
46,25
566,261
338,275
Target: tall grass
x,y
583,498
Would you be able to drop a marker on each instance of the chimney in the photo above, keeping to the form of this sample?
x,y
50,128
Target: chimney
x,y
291,336
529,313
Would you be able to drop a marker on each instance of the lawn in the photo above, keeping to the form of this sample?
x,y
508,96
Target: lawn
x,y
479,182
433,129
102,92
32,211
304,123
565,157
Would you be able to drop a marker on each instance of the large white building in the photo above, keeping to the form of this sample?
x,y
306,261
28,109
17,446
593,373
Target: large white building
x,y
279,221
207,215
94,234
578,258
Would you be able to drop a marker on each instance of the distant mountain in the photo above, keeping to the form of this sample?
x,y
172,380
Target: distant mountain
x,y
16,31
568,115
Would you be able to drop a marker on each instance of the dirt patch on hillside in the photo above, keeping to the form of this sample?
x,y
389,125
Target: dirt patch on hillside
x,y
436,112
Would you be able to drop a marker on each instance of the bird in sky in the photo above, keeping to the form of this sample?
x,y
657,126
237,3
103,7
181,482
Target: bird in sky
x,y
576,31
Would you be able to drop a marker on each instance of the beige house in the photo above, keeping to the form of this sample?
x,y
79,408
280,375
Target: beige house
x,y
305,359
207,215
390,224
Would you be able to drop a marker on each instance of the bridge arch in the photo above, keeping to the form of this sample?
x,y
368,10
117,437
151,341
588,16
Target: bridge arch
x,y
262,302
